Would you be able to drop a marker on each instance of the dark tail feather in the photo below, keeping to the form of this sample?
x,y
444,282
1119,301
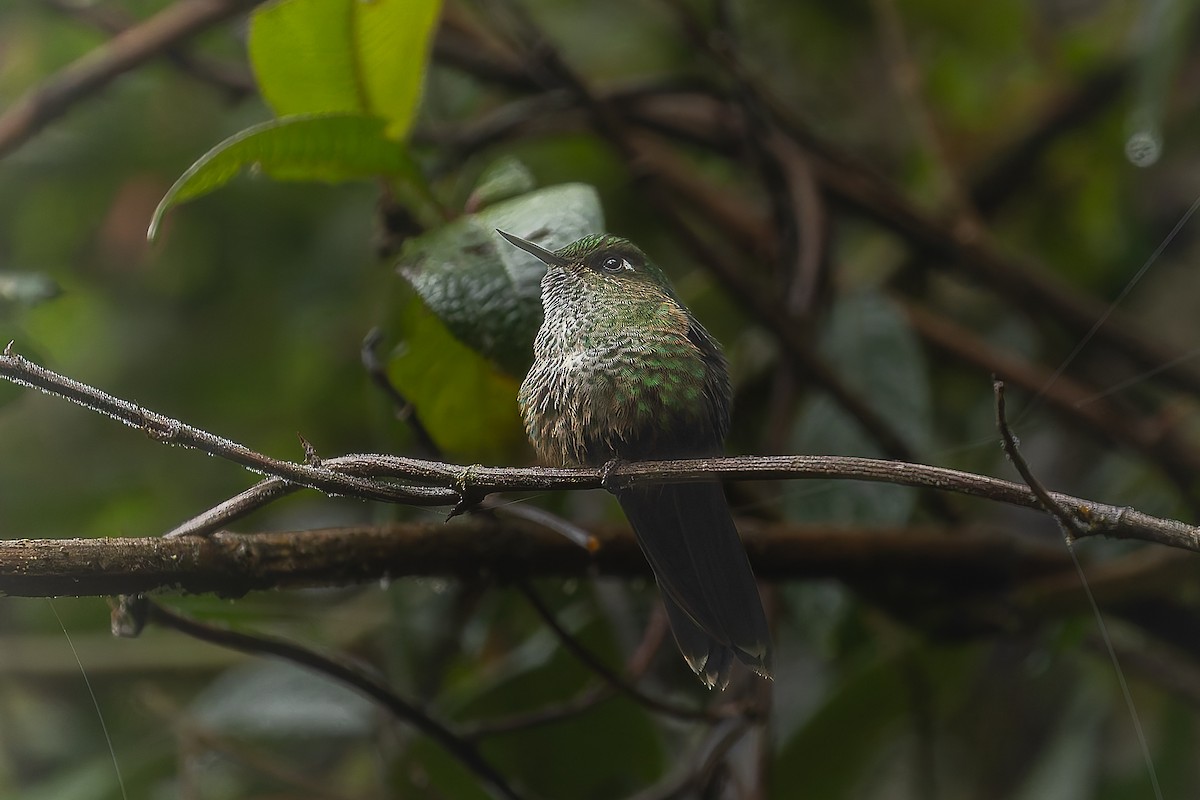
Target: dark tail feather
x,y
707,657
688,536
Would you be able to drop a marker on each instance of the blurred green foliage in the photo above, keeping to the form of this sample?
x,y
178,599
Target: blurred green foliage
x,y
246,315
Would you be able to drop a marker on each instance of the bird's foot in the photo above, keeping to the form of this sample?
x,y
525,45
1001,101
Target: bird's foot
x,y
469,497
606,478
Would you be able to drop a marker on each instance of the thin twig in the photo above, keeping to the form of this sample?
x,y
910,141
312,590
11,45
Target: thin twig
x,y
243,503
353,676
1072,525
164,429
1077,403
235,83
570,531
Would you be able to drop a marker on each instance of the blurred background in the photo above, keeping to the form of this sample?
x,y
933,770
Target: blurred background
x,y
924,193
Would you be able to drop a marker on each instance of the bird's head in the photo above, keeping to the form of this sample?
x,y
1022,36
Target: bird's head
x,y
602,265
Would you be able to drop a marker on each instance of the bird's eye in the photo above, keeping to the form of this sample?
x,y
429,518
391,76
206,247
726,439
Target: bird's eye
x,y
615,264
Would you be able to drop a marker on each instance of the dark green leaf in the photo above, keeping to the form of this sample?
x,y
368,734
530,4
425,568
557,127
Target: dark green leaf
x,y
486,291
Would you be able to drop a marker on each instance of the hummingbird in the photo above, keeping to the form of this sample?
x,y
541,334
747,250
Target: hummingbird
x,y
623,371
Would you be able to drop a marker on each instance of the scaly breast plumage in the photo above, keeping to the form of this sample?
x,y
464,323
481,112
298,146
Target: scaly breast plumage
x,y
624,399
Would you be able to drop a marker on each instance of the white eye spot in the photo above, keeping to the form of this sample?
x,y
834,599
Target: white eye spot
x,y
614,264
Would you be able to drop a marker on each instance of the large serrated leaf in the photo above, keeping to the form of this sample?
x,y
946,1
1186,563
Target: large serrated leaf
x,y
870,344
322,147
486,291
339,56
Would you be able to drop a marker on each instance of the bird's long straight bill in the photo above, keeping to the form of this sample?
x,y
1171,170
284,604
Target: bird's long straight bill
x,y
542,254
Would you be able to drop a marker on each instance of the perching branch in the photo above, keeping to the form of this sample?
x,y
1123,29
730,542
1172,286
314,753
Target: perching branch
x,y
412,481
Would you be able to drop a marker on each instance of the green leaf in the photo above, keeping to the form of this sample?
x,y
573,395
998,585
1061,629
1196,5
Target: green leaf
x,y
304,148
391,41
487,292
339,56
302,58
467,405
869,342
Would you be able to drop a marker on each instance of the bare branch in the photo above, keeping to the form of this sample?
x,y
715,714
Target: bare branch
x,y
435,483
231,564
161,428
235,82
1071,524
96,69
